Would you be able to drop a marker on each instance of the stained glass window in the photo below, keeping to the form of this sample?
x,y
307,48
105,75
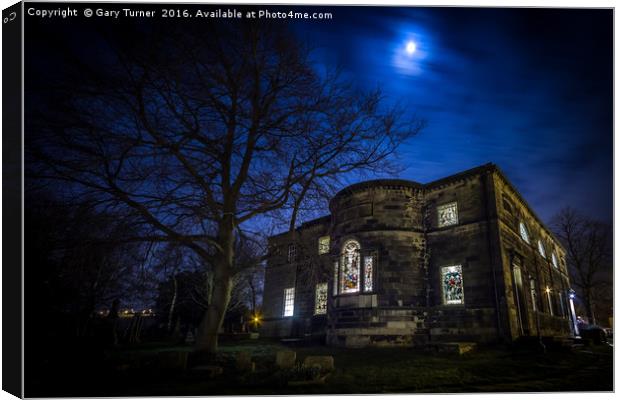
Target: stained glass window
x,y
523,232
541,249
320,299
289,302
324,245
350,267
447,214
554,260
292,253
335,284
368,264
452,284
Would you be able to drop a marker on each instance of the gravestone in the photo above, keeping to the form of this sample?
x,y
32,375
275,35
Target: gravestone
x,y
244,362
325,363
286,359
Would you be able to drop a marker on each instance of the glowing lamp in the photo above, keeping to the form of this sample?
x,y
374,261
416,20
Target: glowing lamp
x,y
547,289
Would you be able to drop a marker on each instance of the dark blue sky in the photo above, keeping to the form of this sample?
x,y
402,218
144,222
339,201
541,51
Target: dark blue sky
x,y
530,90
527,89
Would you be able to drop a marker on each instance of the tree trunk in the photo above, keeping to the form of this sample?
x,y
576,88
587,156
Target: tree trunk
x,y
589,311
206,341
172,304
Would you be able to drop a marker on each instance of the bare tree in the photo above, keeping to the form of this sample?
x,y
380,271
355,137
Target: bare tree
x,y
200,132
187,284
588,246
169,260
77,260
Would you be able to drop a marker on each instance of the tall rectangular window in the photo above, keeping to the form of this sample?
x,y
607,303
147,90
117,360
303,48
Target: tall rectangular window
x,y
289,302
533,295
549,301
562,305
447,214
368,269
452,284
292,253
323,245
320,299
335,287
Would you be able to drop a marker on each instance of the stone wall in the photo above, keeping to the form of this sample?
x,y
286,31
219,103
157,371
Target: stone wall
x,y
472,244
396,222
537,272
303,272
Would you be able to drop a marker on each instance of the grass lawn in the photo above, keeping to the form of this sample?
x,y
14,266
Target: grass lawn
x,y
374,370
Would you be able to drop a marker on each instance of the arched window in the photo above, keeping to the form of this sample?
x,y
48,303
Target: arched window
x,y
350,267
524,233
541,249
554,260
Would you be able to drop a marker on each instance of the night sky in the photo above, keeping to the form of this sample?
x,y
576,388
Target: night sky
x,y
527,89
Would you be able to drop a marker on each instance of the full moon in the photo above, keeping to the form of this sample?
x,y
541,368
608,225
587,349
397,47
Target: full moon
x,y
410,47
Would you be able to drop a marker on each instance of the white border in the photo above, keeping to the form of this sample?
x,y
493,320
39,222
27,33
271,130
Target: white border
x,y
479,3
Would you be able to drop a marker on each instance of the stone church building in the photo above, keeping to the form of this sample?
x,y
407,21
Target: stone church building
x,y
397,262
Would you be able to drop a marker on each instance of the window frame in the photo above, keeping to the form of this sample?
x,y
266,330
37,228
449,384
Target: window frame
x,y
561,304
322,249
541,249
554,260
548,291
444,300
291,253
507,205
365,277
336,276
446,206
316,298
533,295
342,265
289,299
524,232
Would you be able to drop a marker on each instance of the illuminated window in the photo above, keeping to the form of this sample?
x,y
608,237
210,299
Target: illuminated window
x,y
324,245
554,260
541,249
335,284
523,232
447,214
452,284
350,267
289,302
320,299
533,294
292,253
368,265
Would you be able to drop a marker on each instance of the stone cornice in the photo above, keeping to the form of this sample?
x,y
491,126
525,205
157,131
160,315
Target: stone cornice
x,y
407,184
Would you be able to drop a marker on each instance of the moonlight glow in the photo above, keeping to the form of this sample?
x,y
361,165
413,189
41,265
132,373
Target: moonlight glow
x,y
411,47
